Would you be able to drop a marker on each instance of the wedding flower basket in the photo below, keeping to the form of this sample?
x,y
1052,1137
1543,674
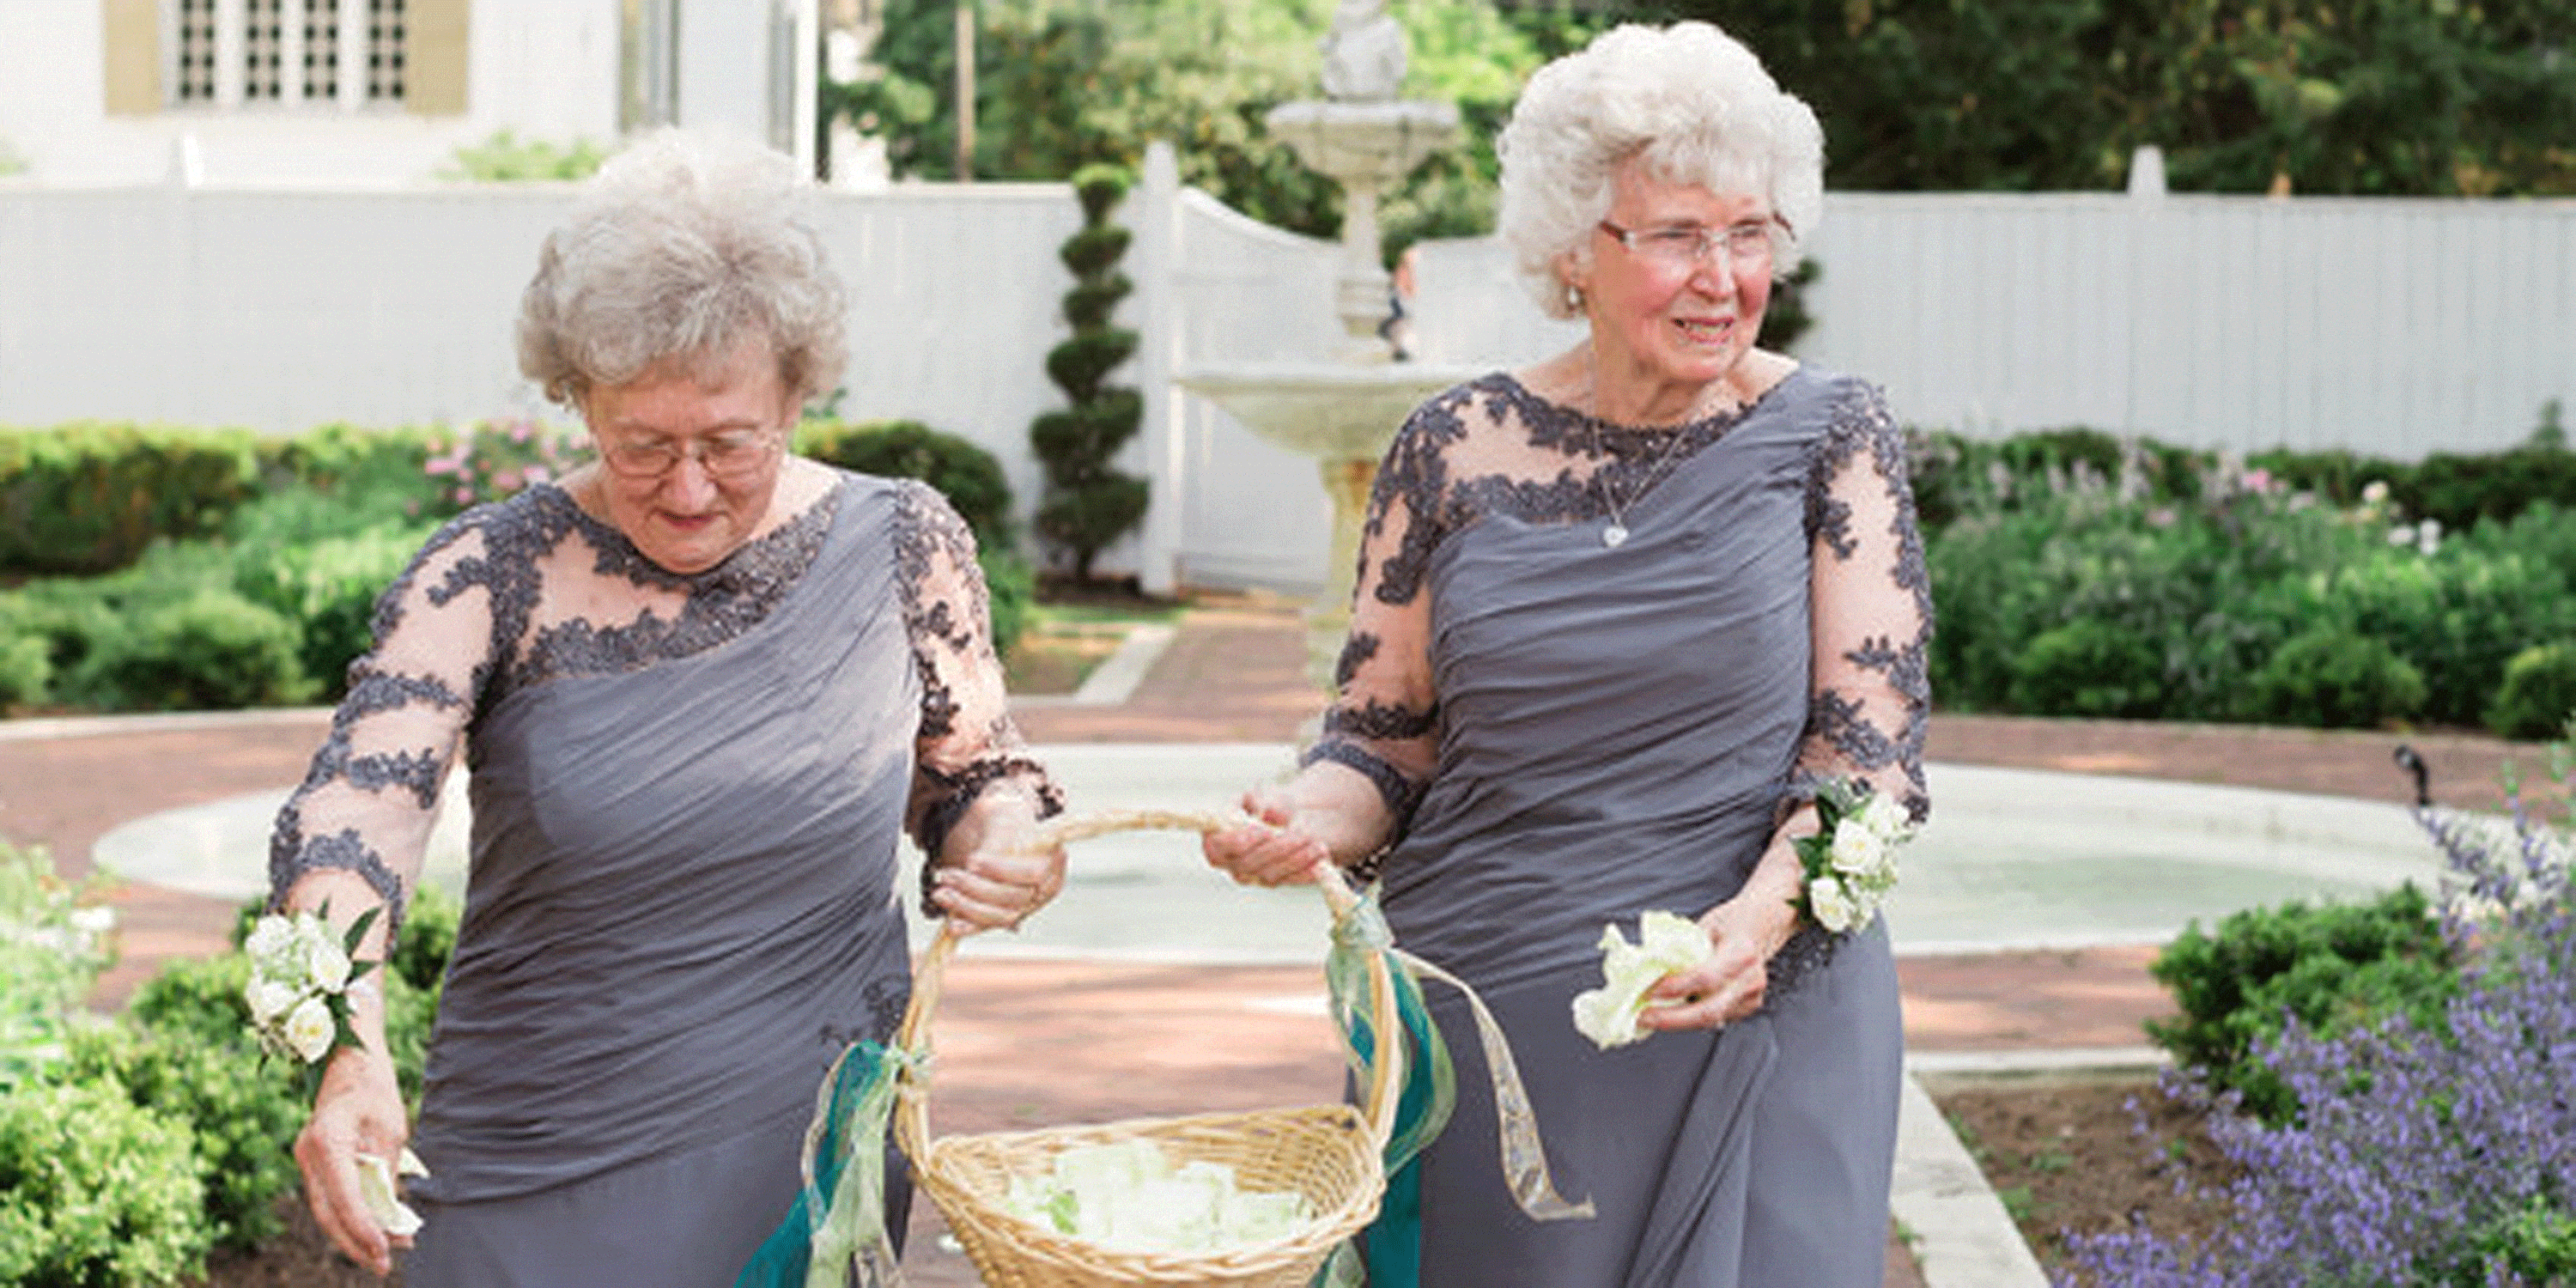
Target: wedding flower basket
x,y
1328,1153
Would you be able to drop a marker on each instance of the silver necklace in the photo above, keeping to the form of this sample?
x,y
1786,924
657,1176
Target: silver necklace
x,y
1614,534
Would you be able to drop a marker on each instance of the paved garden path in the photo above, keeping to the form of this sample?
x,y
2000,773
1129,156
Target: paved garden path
x,y
1034,1037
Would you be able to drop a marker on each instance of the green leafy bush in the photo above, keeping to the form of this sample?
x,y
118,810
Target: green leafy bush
x,y
242,1112
2538,693
966,474
26,666
88,497
2336,967
213,650
2330,678
1012,588
2090,667
53,943
503,157
328,588
96,1190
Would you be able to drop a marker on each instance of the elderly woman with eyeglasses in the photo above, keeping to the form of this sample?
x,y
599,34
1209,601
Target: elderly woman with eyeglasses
x,y
1619,614
702,686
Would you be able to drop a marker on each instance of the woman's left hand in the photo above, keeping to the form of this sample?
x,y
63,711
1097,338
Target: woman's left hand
x,y
995,874
1728,984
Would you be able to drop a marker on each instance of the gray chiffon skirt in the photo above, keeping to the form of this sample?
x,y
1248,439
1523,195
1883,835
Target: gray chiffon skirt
x,y
684,1221
1754,1157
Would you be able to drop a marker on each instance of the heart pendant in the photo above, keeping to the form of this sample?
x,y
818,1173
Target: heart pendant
x,y
1614,535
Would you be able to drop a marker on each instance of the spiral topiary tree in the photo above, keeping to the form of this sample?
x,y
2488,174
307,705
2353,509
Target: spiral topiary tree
x,y
1087,502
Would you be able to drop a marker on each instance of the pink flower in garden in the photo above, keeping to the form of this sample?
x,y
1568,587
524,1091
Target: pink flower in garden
x,y
506,480
463,496
520,430
2258,481
536,474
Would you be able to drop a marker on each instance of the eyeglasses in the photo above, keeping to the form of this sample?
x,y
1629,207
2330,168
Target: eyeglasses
x,y
729,455
1685,245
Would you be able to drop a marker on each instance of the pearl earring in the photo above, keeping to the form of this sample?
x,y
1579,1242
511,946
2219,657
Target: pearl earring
x,y
1573,298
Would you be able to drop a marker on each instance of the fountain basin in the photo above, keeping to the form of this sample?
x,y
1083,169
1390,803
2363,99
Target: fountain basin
x,y
1376,142
1334,411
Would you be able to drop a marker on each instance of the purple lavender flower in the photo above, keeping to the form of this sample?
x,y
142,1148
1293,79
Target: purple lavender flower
x,y
2423,1155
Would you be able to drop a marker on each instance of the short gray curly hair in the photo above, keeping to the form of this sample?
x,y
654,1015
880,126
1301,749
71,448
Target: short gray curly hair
x,y
683,247
1689,99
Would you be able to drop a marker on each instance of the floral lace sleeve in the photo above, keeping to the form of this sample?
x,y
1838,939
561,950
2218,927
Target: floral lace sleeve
x,y
1871,604
370,798
967,741
1385,717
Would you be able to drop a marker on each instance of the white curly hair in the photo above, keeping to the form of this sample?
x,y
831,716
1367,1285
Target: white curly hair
x,y
683,247
1688,99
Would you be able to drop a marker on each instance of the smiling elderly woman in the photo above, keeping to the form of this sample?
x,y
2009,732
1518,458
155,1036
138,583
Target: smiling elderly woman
x,y
702,685
1618,615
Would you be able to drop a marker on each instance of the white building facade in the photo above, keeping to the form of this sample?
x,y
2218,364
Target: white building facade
x,y
380,93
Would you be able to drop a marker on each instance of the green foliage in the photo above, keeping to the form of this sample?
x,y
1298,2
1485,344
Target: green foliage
x,y
52,948
2074,573
1088,503
329,588
2538,693
428,937
96,1190
1061,84
2090,667
88,497
505,158
2534,1245
966,474
1011,592
2335,967
213,650
1079,364
26,669
242,1116
2329,678
1787,317
2381,97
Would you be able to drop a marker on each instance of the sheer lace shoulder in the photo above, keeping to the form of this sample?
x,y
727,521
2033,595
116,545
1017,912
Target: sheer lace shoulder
x,y
1871,601
967,742
1484,448
511,595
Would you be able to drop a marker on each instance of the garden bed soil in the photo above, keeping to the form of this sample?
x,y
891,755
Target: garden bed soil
x,y
2088,1156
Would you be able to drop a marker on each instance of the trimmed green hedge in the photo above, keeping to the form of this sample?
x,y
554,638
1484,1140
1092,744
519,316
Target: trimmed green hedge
x,y
240,572
88,497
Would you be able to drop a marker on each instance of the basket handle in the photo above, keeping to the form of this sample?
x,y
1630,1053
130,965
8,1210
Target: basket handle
x,y
912,1107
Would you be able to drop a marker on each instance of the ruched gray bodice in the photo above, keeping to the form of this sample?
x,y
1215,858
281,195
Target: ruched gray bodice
x,y
1617,725
682,896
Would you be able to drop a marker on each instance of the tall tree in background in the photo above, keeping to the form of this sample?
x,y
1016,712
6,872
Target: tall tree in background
x,y
1061,84
2357,97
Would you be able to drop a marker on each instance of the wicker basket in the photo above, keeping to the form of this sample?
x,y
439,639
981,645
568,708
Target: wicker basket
x,y
1329,1153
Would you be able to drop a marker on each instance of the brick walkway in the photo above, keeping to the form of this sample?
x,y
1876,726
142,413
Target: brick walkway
x,y
1032,1042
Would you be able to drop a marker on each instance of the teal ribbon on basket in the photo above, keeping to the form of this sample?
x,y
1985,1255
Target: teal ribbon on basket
x,y
837,1225
1392,1244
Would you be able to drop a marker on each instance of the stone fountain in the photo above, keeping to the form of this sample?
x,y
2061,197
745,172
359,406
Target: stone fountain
x,y
1343,412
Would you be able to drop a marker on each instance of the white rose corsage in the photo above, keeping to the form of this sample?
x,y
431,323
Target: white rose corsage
x,y
300,974
298,994
1848,867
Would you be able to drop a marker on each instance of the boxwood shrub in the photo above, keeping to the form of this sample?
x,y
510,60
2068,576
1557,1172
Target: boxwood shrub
x,y
96,1189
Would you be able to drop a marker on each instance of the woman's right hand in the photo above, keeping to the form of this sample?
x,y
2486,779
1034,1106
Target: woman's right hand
x,y
358,1111
1270,849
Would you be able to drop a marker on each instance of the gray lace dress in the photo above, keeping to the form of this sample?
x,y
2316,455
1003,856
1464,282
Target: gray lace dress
x,y
687,796
1573,732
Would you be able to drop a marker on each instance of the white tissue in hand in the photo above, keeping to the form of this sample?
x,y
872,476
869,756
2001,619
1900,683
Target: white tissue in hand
x,y
376,1190
1666,942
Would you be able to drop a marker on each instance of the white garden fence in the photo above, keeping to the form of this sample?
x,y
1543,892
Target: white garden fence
x,y
2394,327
